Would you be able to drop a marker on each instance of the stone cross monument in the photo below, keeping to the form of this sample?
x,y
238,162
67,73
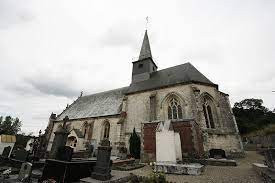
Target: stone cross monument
x,y
60,138
102,170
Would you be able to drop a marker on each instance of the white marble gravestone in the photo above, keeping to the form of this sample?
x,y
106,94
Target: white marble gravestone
x,y
168,144
168,152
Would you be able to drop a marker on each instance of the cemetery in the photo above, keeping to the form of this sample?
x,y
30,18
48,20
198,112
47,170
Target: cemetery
x,y
60,166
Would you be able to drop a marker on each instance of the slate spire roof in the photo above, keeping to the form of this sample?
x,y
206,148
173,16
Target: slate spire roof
x,y
145,51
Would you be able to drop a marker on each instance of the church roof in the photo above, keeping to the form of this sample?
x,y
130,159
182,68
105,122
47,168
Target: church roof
x,y
180,74
109,102
100,104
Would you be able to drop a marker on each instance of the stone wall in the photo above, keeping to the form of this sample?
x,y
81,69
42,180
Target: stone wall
x,y
227,142
138,106
97,131
138,112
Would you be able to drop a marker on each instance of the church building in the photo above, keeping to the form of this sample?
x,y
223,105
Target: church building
x,y
197,109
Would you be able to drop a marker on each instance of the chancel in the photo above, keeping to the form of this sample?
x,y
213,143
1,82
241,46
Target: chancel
x,y
199,112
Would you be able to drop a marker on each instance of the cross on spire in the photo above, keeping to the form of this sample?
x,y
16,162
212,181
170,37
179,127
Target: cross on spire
x,y
147,22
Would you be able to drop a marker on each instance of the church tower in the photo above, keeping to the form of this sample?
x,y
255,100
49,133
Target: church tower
x,y
144,66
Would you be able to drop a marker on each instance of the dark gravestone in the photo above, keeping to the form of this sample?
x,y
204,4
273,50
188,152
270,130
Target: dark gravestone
x,y
270,158
21,155
6,151
60,139
65,153
102,170
217,153
67,171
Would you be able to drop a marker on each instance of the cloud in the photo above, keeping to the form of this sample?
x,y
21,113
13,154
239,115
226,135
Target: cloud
x,y
14,12
120,34
52,50
53,86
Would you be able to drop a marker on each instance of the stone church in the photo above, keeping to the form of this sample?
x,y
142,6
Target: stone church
x,y
197,109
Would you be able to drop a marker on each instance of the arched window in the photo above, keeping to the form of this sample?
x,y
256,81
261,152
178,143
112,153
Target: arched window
x,y
174,109
85,129
106,130
208,115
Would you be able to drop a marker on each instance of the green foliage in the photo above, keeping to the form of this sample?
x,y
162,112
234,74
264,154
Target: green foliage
x,y
157,178
154,177
134,142
251,115
9,125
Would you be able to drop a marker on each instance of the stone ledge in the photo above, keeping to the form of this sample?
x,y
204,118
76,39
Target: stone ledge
x,y
267,173
212,162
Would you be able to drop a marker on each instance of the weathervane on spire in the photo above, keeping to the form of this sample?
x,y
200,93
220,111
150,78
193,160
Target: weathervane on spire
x,y
147,22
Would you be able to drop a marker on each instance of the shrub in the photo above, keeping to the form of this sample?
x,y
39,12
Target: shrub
x,y
134,142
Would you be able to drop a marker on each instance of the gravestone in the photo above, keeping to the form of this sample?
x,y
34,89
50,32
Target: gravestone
x,y
65,153
102,170
60,138
6,151
21,155
168,152
25,171
168,144
270,158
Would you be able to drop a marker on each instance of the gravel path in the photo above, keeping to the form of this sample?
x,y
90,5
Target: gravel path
x,y
243,173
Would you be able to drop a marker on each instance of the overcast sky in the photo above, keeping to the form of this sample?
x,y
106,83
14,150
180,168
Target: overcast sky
x,y
52,50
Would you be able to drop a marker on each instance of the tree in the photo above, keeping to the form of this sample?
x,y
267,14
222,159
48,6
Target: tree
x,y
134,145
10,126
251,115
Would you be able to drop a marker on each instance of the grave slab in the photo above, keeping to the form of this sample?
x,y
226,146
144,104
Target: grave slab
x,y
186,169
117,176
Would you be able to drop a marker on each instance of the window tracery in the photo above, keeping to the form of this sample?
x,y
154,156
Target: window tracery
x,y
174,109
208,114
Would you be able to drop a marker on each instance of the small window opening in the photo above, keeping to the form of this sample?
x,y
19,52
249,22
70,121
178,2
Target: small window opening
x,y
140,65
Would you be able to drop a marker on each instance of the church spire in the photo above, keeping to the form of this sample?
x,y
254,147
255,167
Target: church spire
x,y
145,51
144,66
